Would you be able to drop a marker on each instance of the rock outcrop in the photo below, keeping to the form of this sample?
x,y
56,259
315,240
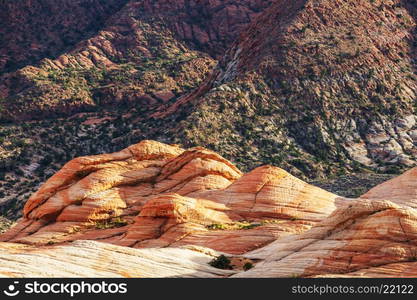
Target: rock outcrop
x,y
367,238
94,259
157,195
157,210
401,190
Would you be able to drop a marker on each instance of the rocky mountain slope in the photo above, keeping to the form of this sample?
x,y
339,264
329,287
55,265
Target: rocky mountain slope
x,y
44,29
192,213
33,30
139,52
326,84
207,26
133,59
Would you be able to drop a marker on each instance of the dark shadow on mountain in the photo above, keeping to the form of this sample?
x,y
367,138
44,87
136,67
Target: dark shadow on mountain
x,y
33,30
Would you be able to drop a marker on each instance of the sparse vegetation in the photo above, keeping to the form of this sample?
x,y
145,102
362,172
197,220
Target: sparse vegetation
x,y
5,224
111,223
233,226
247,266
221,262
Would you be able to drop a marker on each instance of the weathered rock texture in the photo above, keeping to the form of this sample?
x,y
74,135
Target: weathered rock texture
x,y
133,59
31,30
118,52
367,238
94,259
156,195
331,79
315,86
401,190
183,208
210,26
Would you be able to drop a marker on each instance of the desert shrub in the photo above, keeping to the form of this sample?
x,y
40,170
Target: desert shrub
x,y
221,262
247,266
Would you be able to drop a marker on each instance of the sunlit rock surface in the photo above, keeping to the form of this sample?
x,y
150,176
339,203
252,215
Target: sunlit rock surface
x,y
156,210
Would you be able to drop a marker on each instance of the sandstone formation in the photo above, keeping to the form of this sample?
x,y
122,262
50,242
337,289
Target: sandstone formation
x,y
317,87
303,86
367,238
157,210
401,190
157,195
94,259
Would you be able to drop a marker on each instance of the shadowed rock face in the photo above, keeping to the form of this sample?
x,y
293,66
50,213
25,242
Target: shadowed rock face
x,y
31,30
113,54
183,208
209,26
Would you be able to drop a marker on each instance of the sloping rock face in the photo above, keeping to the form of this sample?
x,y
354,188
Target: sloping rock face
x,y
364,239
401,190
209,26
336,78
131,60
31,30
94,259
157,195
132,52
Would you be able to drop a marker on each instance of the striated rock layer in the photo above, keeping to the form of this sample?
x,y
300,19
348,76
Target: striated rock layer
x,y
157,195
401,190
368,238
184,208
94,259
